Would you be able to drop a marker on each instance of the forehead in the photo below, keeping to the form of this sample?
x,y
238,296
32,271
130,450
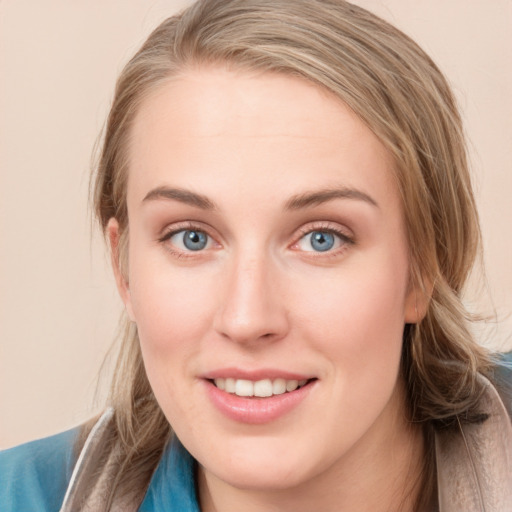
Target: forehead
x,y
215,100
243,128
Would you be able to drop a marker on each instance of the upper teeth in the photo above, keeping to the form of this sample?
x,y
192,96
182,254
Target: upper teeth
x,y
260,388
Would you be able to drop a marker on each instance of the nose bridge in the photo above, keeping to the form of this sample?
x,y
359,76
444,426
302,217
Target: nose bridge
x,y
251,307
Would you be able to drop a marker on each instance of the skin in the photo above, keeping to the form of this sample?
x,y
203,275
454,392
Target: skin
x,y
259,296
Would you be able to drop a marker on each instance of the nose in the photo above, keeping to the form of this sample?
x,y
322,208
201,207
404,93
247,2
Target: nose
x,y
251,307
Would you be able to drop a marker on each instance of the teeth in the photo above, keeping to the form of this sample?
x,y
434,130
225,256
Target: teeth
x,y
261,388
292,385
244,388
230,385
279,387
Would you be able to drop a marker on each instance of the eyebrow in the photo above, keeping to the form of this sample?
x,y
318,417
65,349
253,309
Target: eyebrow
x,y
181,195
315,198
297,202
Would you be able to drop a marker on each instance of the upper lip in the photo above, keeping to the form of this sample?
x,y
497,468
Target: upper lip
x,y
254,374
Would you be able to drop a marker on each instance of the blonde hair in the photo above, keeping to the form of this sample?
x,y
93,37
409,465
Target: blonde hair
x,y
400,94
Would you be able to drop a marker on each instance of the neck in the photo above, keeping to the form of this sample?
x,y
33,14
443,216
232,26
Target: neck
x,y
382,473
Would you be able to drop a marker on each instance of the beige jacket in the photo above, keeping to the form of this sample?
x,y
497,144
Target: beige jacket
x,y
474,467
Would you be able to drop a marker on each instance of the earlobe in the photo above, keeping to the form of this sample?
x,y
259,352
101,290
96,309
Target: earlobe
x,y
114,236
417,302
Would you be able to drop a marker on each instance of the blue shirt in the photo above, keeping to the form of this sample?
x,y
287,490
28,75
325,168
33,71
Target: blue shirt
x,y
34,477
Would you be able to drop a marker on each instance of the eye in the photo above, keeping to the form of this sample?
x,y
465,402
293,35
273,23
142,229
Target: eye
x,y
190,240
320,241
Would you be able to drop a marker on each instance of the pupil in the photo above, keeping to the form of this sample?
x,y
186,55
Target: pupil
x,y
194,240
322,241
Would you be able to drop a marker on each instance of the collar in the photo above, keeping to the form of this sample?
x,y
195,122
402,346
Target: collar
x,y
172,486
474,463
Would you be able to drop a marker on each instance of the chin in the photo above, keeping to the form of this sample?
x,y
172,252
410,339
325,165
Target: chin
x,y
260,468
263,479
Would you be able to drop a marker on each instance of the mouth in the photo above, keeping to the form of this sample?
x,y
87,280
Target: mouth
x,y
258,396
263,388
258,401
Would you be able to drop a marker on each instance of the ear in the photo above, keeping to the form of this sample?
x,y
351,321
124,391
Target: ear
x,y
417,300
114,236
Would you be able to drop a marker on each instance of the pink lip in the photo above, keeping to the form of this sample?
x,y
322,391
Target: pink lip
x,y
254,375
255,410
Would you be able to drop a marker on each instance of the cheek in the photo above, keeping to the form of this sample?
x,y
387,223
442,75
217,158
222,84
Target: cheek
x,y
173,311
357,320
358,299
171,305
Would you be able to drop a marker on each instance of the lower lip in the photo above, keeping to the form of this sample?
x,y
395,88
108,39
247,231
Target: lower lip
x,y
256,410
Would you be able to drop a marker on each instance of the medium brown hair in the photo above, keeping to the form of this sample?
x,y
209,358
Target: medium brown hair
x,y
401,95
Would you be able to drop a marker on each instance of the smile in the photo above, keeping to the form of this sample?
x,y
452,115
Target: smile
x,y
262,388
258,400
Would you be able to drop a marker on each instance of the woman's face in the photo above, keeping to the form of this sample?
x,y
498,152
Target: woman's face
x,y
267,251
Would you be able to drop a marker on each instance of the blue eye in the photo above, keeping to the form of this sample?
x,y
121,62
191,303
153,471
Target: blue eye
x,y
319,241
190,240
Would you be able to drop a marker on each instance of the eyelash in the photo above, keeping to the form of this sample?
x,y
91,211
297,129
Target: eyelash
x,y
323,227
186,226
346,240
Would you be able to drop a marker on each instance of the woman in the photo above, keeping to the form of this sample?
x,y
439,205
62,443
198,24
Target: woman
x,y
285,191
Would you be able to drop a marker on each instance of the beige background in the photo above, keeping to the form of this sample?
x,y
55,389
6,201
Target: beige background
x,y
58,63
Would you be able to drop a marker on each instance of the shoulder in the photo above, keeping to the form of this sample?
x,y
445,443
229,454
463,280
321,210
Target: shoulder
x,y
34,476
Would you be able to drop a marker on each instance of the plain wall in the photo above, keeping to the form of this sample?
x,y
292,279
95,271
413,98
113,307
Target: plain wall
x,y
58,64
